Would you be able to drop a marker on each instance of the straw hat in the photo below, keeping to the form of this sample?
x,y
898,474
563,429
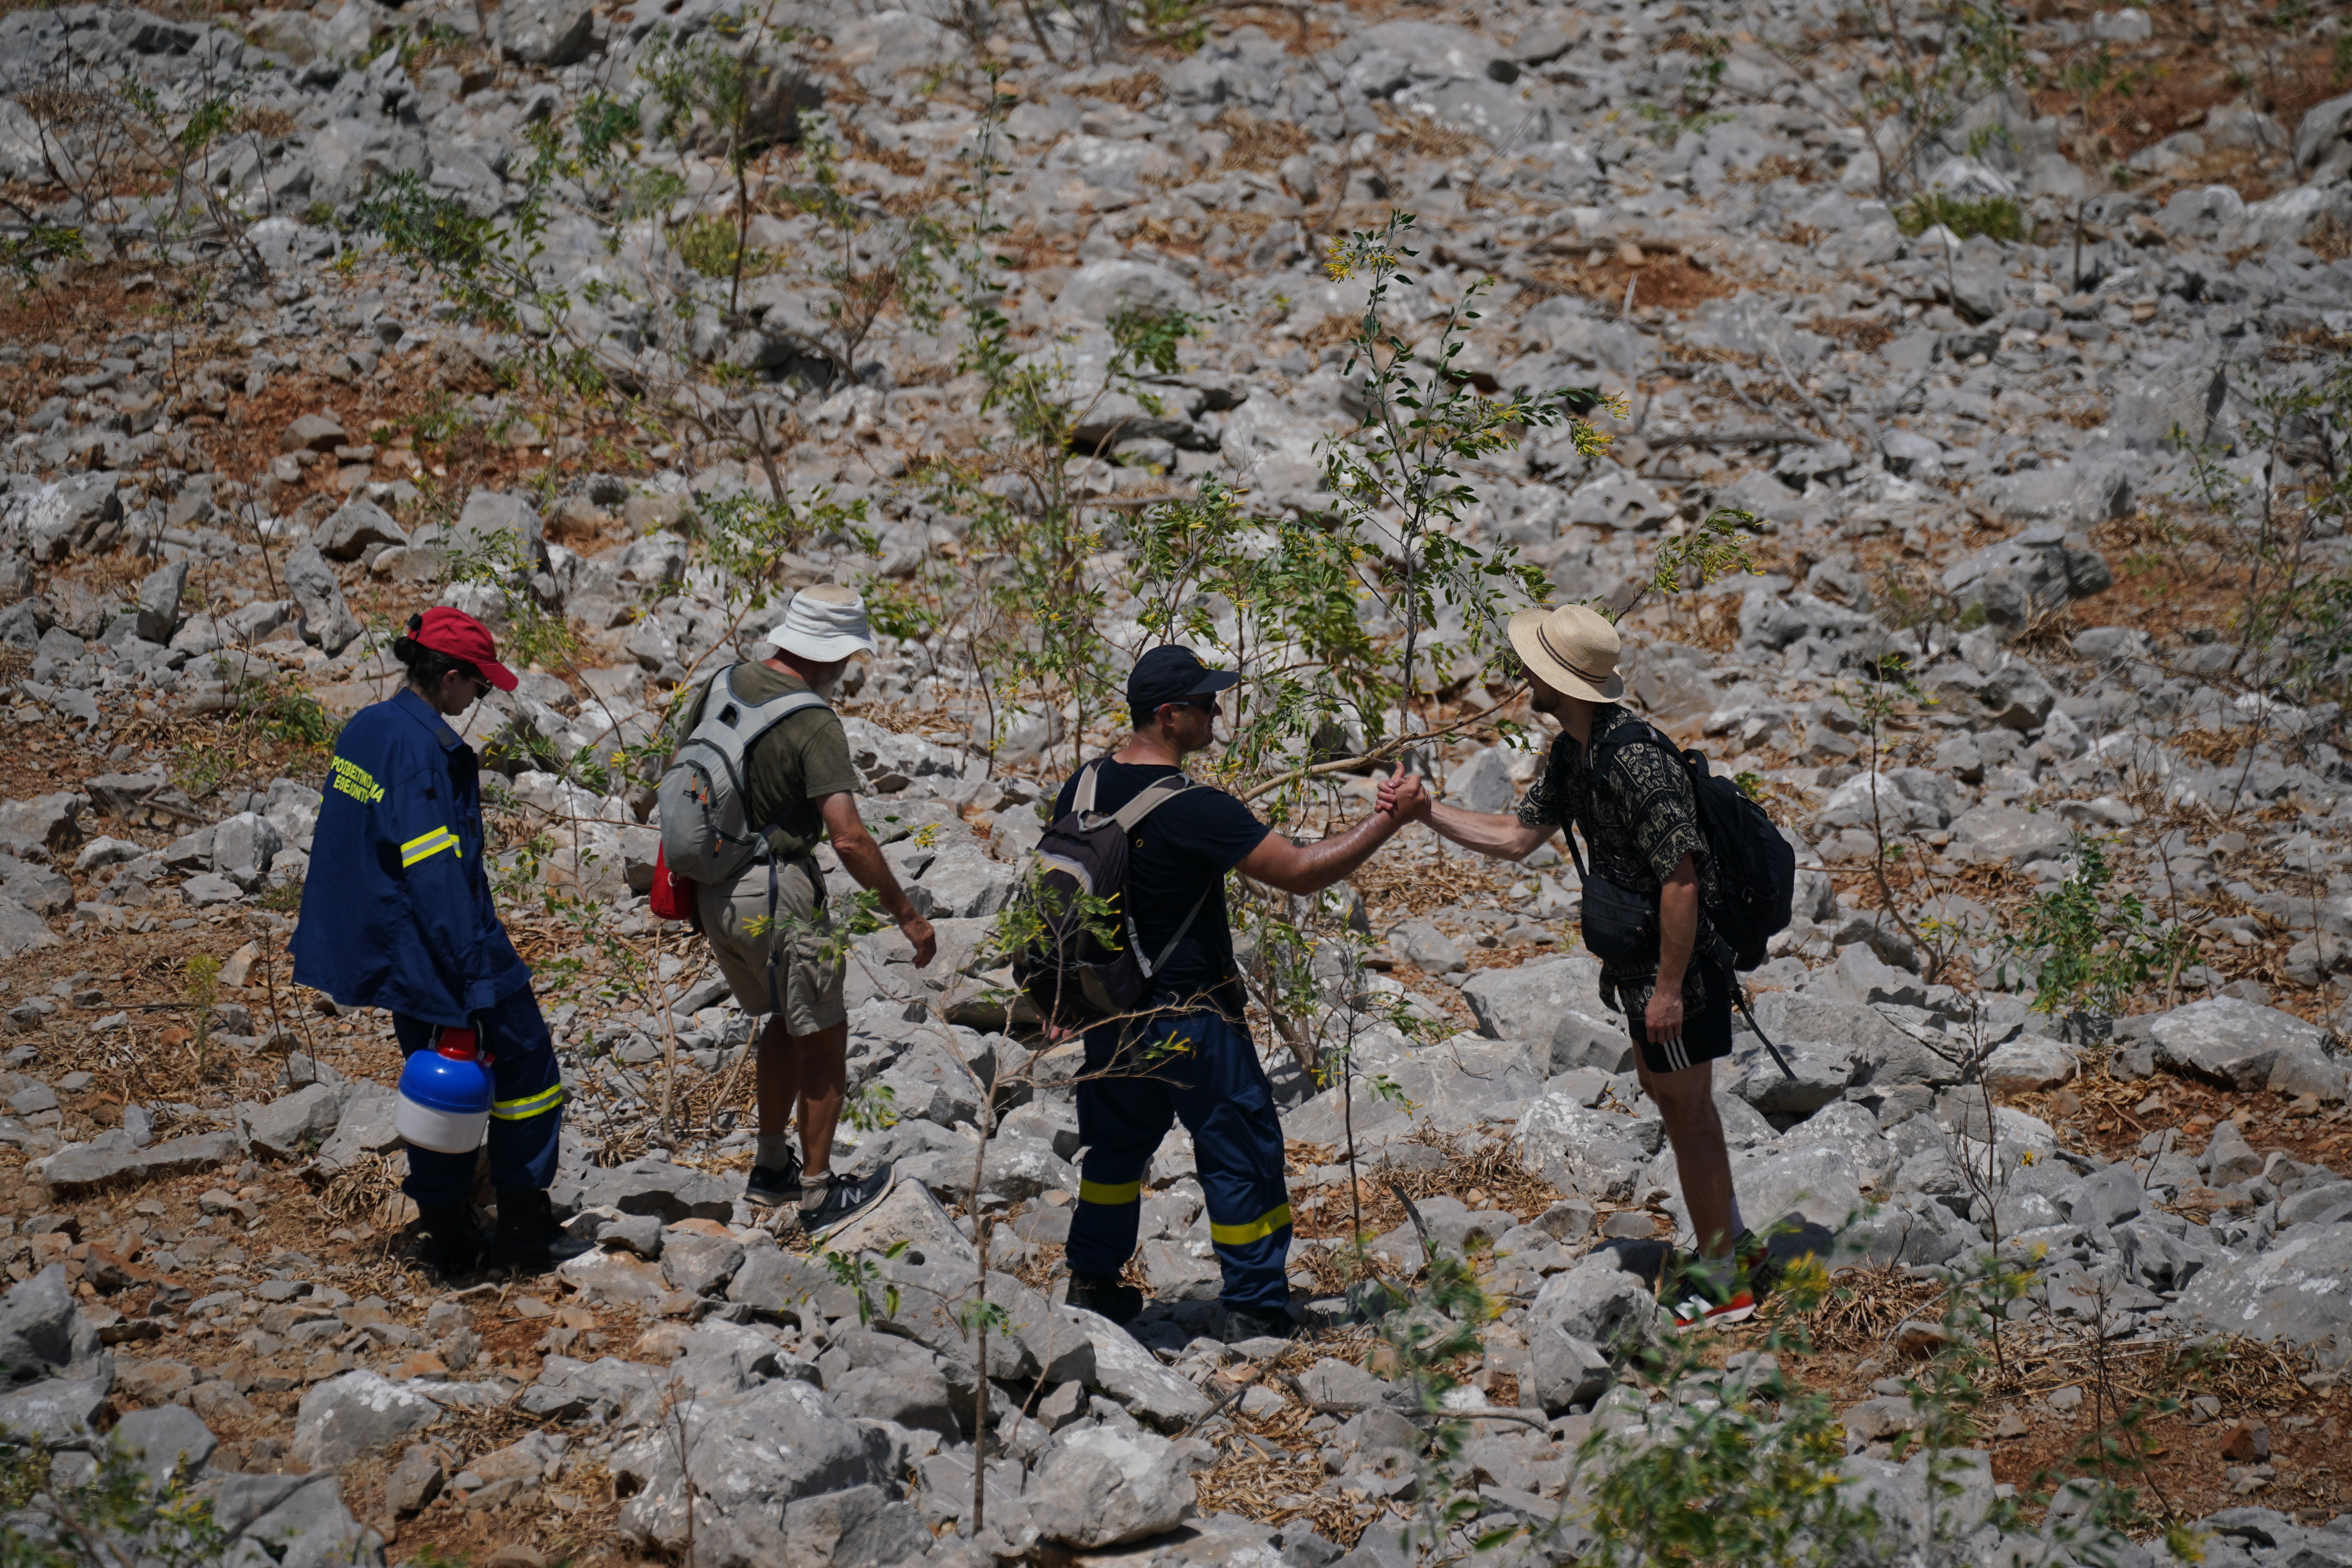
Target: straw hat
x,y
824,624
1573,648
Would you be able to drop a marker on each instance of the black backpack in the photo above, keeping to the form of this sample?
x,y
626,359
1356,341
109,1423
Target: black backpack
x,y
1073,977
1755,867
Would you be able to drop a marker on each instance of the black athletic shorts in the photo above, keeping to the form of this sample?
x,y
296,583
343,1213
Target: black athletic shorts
x,y
1706,1037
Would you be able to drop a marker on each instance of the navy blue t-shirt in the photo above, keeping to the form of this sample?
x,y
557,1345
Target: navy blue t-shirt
x,y
1182,850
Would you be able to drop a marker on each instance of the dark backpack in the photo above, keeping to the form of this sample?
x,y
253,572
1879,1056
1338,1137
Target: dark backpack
x,y
1754,869
1074,978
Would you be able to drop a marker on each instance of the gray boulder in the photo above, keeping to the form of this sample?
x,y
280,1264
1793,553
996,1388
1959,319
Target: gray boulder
x,y
1594,1154
752,1456
326,619
859,1528
160,1439
492,514
655,1186
61,1412
81,1169
289,1126
356,525
52,821
1597,1302
1562,1369
2228,1041
1525,1002
1102,1485
909,1390
699,1264
22,930
546,32
245,847
1101,290
1133,1377
42,1335
2181,401
158,601
355,1414
2041,567
2293,1293
2008,833
78,515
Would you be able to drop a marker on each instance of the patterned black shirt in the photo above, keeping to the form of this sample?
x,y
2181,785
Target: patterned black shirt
x,y
1637,825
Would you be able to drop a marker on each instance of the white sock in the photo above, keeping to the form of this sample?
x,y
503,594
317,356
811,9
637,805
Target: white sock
x,y
814,1186
773,1151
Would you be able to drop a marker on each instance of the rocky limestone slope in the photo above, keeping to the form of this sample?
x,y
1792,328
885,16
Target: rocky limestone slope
x,y
246,437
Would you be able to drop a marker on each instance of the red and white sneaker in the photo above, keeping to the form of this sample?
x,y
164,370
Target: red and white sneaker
x,y
1709,1292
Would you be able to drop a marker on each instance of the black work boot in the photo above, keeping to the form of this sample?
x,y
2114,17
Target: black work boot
x,y
1259,1323
446,1241
1103,1294
528,1240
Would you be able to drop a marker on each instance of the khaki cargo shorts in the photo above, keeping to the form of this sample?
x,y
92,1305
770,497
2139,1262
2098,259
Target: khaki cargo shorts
x,y
807,984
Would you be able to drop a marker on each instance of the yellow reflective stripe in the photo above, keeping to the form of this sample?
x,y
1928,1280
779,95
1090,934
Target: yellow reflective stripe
x,y
1109,1192
428,844
530,1105
1258,1229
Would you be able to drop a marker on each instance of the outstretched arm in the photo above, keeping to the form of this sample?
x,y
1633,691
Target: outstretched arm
x,y
1304,868
1505,837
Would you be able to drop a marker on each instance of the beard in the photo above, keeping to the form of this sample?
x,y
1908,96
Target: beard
x,y
1545,701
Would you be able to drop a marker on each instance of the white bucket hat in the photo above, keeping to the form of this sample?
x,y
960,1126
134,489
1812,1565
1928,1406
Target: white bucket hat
x,y
824,624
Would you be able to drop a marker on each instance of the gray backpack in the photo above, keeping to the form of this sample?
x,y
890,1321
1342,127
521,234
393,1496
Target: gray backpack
x,y
707,834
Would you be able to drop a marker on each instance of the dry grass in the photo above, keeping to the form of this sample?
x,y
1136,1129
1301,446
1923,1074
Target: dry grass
x,y
1867,333
1133,90
1866,1305
1259,145
2215,748
1425,138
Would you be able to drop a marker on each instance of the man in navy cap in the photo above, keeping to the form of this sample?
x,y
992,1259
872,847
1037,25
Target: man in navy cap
x,y
1187,1055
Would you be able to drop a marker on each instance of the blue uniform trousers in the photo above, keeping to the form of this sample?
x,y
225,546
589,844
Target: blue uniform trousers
x,y
526,1107
1200,1068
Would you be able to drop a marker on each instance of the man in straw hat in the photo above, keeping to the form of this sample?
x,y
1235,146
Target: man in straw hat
x,y
770,930
1640,818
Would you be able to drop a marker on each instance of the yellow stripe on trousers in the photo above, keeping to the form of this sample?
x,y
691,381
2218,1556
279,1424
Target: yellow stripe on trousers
x,y
1109,1192
530,1105
1258,1229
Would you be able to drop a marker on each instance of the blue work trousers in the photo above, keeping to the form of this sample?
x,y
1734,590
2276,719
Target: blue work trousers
x,y
1144,1075
526,1108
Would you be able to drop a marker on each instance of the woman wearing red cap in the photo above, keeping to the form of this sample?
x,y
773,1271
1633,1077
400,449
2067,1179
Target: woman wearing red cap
x,y
397,914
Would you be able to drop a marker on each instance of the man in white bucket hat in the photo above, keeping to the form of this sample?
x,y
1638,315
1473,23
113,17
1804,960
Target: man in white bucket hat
x,y
1639,815
770,930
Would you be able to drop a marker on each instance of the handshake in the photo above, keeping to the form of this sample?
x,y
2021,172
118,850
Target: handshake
x,y
1403,797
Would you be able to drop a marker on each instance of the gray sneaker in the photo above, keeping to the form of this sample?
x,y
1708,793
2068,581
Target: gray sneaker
x,y
845,1197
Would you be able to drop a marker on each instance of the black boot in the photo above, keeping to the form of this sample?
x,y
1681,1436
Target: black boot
x,y
529,1241
446,1241
1103,1294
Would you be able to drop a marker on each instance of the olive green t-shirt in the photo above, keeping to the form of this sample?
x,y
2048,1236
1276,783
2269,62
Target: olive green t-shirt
x,y
788,769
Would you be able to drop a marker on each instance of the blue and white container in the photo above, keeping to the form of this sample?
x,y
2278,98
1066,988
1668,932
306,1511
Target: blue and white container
x,y
444,1100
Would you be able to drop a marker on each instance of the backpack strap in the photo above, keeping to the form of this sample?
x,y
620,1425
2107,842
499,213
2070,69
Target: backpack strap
x,y
1157,793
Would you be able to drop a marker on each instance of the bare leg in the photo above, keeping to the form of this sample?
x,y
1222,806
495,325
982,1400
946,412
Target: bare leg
x,y
822,1074
780,1077
1686,1105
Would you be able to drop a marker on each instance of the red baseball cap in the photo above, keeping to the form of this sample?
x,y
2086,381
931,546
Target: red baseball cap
x,y
461,636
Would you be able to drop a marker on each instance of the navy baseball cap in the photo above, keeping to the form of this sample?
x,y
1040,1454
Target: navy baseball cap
x,y
1170,674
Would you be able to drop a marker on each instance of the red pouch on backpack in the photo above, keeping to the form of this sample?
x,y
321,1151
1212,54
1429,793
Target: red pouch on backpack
x,y
672,896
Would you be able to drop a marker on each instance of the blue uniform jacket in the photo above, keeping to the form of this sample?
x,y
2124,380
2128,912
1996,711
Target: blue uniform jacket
x,y
396,912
